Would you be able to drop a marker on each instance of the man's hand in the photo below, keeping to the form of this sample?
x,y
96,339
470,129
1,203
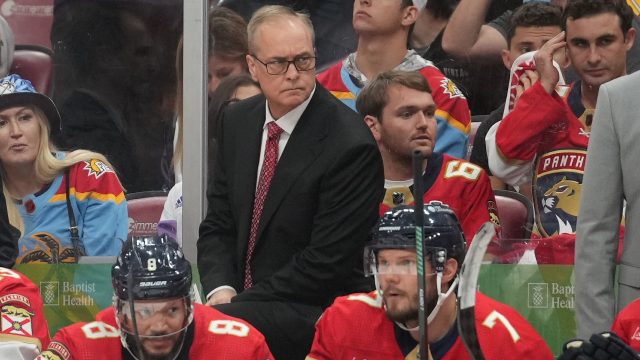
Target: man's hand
x,y
527,80
222,296
547,73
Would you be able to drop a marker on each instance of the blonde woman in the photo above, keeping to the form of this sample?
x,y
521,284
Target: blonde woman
x,y
65,204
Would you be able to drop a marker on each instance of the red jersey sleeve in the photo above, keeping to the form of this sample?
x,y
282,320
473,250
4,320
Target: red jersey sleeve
x,y
522,131
22,315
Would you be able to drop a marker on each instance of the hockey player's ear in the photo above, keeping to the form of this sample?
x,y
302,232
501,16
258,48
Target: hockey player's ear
x,y
450,270
374,125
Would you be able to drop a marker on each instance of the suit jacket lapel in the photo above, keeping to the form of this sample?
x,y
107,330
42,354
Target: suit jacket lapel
x,y
303,147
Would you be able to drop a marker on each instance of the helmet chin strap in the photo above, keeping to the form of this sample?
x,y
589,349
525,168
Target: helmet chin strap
x,y
441,298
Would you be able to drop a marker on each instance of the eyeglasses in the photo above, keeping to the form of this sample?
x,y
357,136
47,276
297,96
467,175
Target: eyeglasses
x,y
278,67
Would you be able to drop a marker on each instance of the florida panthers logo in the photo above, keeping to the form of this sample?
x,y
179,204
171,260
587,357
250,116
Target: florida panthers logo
x,y
450,88
96,168
557,193
563,200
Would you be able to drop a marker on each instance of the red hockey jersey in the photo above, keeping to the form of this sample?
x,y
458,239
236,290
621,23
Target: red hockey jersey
x,y
452,115
461,185
215,335
356,327
627,325
21,310
544,130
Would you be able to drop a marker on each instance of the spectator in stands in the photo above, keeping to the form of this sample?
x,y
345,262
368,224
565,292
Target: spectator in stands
x,y
227,52
611,182
24,327
471,78
383,32
154,315
398,108
65,204
544,139
532,25
295,187
227,45
385,324
112,99
467,38
232,89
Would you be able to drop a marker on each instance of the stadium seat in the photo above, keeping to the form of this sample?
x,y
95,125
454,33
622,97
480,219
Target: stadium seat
x,y
145,209
516,214
475,123
34,63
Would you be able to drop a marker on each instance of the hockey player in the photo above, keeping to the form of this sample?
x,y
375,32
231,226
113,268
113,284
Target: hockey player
x,y
399,109
383,324
154,315
383,29
23,330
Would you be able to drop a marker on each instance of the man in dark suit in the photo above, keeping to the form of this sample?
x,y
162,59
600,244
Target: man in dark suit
x,y
280,242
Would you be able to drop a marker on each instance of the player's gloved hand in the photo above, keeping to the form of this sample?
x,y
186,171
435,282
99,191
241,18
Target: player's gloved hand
x,y
603,346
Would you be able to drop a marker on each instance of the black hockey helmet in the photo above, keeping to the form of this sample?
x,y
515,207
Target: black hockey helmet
x,y
397,230
156,267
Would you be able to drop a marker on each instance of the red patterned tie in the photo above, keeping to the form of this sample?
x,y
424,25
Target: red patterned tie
x,y
268,168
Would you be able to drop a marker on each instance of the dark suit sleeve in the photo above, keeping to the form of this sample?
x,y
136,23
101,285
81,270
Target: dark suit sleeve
x,y
216,242
349,196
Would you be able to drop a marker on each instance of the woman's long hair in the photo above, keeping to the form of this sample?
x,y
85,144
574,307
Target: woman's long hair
x,y
47,166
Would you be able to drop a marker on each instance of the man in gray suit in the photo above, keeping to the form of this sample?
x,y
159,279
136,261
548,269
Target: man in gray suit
x,y
612,175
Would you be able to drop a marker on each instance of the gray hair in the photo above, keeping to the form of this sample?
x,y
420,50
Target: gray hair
x,y
274,12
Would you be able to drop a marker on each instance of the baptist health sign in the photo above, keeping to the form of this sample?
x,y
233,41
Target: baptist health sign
x,y
553,295
543,294
66,293
71,293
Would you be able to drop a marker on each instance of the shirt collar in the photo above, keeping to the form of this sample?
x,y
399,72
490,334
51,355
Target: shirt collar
x,y
289,120
412,61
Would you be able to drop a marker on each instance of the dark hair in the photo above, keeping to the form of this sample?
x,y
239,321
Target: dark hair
x,y
373,98
221,98
577,9
227,34
534,14
442,9
406,3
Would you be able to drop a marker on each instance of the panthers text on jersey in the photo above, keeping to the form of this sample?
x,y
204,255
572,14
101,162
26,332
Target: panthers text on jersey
x,y
357,327
212,334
